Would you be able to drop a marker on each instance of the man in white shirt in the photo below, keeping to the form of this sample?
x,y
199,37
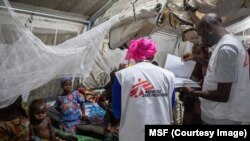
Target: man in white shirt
x,y
143,93
225,94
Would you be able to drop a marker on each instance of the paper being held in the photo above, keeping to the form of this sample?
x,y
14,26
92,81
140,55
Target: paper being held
x,y
178,67
179,82
182,70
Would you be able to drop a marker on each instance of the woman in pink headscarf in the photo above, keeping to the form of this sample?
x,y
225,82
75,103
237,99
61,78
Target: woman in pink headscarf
x,y
143,93
141,49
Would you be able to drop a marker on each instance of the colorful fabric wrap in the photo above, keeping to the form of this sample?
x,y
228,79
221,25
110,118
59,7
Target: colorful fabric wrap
x,y
141,49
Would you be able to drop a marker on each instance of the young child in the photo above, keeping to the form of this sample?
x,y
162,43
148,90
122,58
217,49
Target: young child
x,y
69,105
40,124
93,111
88,94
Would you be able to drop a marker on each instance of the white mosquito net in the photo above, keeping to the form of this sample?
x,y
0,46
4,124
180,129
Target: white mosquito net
x,y
26,63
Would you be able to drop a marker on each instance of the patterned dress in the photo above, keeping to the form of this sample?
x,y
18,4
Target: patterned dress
x,y
15,130
69,108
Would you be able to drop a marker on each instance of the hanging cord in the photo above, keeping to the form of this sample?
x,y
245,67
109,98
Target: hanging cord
x,y
29,22
133,4
161,12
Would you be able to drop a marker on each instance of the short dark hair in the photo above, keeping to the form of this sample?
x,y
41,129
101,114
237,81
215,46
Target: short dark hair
x,y
35,105
210,18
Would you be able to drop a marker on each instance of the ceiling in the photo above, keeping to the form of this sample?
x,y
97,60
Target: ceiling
x,y
90,10
84,7
87,8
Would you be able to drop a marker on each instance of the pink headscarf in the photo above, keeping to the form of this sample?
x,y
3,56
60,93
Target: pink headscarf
x,y
141,49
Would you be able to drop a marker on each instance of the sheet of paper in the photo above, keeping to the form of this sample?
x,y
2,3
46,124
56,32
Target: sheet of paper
x,y
182,71
179,82
178,67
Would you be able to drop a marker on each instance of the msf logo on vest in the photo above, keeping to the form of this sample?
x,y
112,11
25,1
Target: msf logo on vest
x,y
140,88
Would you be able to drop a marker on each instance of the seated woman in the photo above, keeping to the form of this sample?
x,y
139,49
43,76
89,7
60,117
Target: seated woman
x,y
14,126
40,124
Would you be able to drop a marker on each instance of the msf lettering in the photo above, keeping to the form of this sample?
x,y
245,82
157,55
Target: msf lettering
x,y
158,132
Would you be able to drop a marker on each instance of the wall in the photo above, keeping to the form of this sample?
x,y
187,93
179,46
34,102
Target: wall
x,y
169,44
166,44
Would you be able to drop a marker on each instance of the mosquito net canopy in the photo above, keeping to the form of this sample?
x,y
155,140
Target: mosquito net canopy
x,y
26,63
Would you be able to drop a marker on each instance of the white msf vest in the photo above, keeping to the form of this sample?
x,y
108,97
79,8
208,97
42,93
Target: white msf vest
x,y
237,107
146,93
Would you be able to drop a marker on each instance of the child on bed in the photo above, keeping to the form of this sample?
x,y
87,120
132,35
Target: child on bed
x,y
40,124
70,106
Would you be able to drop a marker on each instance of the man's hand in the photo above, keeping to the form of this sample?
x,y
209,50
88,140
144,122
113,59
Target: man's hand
x,y
188,90
187,56
199,59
